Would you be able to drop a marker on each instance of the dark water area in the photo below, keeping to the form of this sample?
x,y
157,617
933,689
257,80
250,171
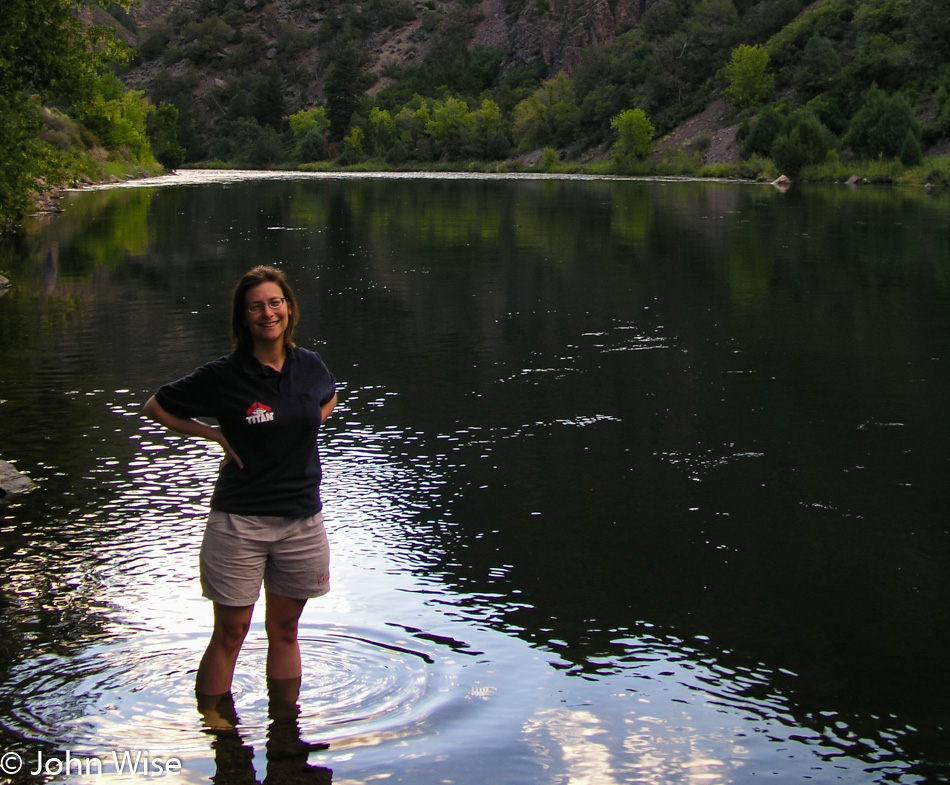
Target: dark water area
x,y
629,481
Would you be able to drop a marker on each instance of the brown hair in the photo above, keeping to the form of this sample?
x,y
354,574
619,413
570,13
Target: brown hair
x,y
240,334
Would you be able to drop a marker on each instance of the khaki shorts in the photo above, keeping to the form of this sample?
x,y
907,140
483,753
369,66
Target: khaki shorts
x,y
290,555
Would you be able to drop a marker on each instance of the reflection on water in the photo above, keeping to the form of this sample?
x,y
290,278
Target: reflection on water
x,y
629,482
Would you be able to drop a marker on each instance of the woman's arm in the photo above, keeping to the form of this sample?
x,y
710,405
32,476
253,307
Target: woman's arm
x,y
188,427
326,408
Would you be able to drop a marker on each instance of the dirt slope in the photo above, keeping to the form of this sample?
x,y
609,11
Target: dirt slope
x,y
715,122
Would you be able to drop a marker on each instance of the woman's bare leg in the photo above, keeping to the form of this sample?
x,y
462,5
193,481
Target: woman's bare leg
x,y
283,650
217,665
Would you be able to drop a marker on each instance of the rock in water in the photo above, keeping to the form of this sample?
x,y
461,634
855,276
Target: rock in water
x,y
13,482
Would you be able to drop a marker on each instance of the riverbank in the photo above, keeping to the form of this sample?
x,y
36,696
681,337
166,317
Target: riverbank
x,y
934,172
91,172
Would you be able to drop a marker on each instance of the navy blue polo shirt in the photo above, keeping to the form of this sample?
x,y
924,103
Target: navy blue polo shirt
x,y
270,419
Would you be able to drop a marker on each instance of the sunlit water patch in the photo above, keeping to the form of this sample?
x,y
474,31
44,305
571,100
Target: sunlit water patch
x,y
363,687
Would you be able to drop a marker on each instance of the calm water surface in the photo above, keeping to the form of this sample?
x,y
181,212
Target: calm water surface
x,y
629,482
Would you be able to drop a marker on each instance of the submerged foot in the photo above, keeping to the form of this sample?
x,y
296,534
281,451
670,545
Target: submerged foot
x,y
218,714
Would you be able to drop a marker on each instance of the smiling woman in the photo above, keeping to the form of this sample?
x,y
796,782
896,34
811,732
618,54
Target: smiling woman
x,y
268,321
270,398
264,309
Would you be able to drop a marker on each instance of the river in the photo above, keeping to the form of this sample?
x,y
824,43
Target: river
x,y
629,481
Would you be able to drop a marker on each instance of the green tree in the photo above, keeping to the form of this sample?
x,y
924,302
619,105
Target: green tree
x,y
313,147
396,154
268,98
411,122
820,64
251,50
748,81
879,128
548,161
486,122
47,55
307,120
162,128
499,146
266,149
118,118
942,100
448,126
310,128
758,138
714,25
384,130
355,142
156,40
207,38
547,117
664,19
344,84
292,42
634,137
804,141
910,152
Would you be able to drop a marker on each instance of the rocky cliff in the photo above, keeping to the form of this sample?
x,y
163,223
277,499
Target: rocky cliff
x,y
552,33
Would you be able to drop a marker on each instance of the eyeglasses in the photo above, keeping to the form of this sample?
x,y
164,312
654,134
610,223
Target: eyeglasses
x,y
273,303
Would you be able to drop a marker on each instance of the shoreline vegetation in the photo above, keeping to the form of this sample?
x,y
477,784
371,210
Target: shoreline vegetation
x,y
933,173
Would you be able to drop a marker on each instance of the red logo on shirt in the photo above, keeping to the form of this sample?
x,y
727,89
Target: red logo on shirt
x,y
259,413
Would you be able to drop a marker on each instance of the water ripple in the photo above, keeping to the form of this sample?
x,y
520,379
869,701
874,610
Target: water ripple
x,y
361,686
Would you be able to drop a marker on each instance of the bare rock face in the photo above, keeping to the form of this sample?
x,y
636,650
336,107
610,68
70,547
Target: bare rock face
x,y
555,34
595,25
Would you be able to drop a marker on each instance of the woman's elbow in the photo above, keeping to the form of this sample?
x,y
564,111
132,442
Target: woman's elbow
x,y
327,408
153,409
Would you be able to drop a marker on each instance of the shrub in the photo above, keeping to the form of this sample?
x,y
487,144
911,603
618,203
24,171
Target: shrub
x,y
549,160
266,148
881,126
634,136
155,43
396,154
499,146
761,135
910,152
804,141
162,129
820,64
313,146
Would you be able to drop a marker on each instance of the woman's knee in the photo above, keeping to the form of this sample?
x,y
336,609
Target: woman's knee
x,y
282,630
282,618
232,635
231,627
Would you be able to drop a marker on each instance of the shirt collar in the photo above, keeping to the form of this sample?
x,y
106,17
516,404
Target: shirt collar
x,y
252,367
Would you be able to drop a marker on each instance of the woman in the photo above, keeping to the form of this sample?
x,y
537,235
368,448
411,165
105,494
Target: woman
x,y
270,398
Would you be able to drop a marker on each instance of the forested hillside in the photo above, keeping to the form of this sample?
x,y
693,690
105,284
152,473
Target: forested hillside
x,y
432,82
274,81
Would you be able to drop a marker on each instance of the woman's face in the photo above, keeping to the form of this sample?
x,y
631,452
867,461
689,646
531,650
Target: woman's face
x,y
266,321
